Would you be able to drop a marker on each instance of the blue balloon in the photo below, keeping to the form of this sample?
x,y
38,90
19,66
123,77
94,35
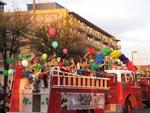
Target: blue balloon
x,y
122,57
99,59
125,61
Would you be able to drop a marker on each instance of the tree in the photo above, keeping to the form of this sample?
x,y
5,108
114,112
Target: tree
x,y
14,33
68,36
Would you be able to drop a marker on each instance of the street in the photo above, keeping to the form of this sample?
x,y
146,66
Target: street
x,y
145,110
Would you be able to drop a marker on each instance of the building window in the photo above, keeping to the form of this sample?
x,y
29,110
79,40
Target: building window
x,y
1,8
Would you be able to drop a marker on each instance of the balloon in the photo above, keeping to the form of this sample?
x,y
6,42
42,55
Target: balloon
x,y
106,51
122,57
55,44
92,60
91,50
65,51
99,58
115,54
28,56
58,59
5,72
44,56
131,67
24,63
52,31
10,71
9,60
20,56
94,66
125,61
67,63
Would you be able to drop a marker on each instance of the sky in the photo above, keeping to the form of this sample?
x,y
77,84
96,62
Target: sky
x,y
127,20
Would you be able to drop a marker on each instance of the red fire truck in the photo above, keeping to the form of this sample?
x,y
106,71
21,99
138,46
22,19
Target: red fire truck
x,y
67,93
127,91
118,91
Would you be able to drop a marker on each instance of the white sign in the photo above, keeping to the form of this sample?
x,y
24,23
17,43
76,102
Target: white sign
x,y
76,101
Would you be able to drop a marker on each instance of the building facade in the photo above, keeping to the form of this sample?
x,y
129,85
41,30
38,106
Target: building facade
x,y
2,6
95,36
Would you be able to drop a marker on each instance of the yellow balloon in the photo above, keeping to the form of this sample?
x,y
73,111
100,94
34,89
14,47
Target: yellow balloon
x,y
115,54
118,54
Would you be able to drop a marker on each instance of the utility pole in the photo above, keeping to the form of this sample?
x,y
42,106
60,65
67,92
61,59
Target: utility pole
x,y
33,8
133,52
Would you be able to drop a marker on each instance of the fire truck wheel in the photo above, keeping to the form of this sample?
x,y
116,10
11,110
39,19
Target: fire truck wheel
x,y
127,107
147,103
85,111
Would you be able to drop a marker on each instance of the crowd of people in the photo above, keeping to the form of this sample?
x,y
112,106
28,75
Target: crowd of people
x,y
83,66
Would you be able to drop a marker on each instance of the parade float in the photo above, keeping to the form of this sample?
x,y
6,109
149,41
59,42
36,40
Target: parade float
x,y
116,89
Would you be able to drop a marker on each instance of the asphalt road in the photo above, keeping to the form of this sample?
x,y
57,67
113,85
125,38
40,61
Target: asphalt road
x,y
145,110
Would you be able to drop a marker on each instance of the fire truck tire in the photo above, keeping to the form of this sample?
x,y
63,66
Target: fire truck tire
x,y
147,103
127,107
85,111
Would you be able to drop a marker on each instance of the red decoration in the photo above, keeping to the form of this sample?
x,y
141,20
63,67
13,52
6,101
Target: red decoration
x,y
131,67
91,50
52,32
65,51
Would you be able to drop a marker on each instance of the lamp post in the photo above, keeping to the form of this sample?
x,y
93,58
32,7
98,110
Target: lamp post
x,y
33,8
133,52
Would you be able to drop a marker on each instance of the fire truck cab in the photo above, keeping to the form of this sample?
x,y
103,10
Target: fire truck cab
x,y
144,83
125,93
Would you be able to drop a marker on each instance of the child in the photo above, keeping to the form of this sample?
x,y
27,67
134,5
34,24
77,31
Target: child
x,y
36,68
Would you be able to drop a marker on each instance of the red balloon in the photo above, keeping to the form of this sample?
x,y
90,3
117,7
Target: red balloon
x,y
65,51
52,31
131,67
91,50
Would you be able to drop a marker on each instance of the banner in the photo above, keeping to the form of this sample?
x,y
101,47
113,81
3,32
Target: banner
x,y
77,101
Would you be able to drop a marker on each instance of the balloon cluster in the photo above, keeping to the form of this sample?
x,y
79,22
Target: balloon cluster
x,y
52,33
7,72
115,54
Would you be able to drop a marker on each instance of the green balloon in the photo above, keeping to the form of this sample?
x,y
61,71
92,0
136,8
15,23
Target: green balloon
x,y
9,60
106,51
20,56
94,66
28,56
67,63
92,60
44,56
5,72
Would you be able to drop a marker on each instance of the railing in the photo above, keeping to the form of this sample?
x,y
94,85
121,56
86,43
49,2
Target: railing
x,y
74,81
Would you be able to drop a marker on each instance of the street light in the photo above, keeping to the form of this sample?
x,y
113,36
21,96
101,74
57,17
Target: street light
x,y
133,52
33,8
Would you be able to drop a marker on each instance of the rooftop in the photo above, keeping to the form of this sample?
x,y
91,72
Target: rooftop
x,y
91,24
2,3
44,6
54,5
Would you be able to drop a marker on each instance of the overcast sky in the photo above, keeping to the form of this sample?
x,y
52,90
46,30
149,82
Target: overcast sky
x,y
127,20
